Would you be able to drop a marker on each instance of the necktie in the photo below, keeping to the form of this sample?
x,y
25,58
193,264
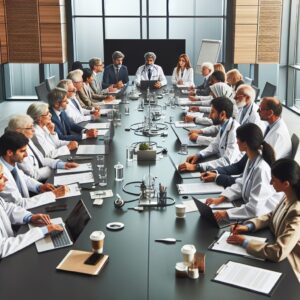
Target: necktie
x,y
63,125
16,177
117,73
267,130
149,74
36,156
75,104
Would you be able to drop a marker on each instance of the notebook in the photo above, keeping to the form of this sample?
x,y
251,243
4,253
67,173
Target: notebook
x,y
73,226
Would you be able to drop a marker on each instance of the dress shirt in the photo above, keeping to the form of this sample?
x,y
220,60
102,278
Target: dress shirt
x,y
157,73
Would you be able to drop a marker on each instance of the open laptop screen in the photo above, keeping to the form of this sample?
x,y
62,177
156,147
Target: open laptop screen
x,y
77,220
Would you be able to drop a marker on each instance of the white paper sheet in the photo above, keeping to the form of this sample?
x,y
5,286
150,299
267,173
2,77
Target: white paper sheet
x,y
101,194
73,178
90,149
180,124
97,125
102,132
74,191
244,276
180,86
191,206
199,188
113,102
195,114
104,111
222,245
81,168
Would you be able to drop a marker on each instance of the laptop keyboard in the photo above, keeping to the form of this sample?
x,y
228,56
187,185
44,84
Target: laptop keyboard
x,y
60,239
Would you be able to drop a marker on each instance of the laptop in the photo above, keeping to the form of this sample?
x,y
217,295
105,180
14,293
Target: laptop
x,y
184,175
207,213
73,226
145,84
183,138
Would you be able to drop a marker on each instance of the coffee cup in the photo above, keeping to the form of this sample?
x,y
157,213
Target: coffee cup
x,y
180,210
188,252
97,239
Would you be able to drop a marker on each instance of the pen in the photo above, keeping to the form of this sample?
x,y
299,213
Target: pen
x,y
234,228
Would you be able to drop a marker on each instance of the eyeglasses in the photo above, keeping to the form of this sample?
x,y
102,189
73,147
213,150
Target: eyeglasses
x,y
72,91
46,114
28,128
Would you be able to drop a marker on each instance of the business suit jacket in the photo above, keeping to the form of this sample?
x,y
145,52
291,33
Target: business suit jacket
x,y
203,89
284,222
84,100
70,126
109,76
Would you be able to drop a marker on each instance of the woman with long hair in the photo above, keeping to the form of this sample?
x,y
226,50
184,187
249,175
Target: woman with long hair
x,y
254,186
284,221
183,73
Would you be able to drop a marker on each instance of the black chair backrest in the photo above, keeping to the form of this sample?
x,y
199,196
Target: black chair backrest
x,y
50,83
42,92
295,145
269,90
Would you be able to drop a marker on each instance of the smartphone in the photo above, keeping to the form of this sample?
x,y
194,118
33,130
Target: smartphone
x,y
93,259
58,207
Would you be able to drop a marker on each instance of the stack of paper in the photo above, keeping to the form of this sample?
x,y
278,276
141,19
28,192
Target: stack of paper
x,y
97,125
90,149
73,178
199,188
191,206
181,124
81,168
74,190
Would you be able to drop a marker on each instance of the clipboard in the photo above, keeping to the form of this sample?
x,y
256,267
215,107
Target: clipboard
x,y
224,276
74,262
220,245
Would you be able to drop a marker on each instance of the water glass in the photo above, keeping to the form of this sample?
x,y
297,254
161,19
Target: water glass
x,y
110,115
102,176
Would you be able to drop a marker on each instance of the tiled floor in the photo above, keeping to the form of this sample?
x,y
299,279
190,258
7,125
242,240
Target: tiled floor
x,y
9,108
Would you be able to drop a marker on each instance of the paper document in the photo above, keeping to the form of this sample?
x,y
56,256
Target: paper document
x,y
248,277
182,86
180,124
195,114
90,149
73,178
199,188
104,111
191,206
115,92
74,190
102,132
222,245
101,194
113,102
187,101
97,125
81,168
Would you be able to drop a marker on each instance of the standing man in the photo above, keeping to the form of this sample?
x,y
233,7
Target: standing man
x,y
150,71
115,74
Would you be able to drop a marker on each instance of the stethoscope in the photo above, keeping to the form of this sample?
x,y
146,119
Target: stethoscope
x,y
250,112
227,134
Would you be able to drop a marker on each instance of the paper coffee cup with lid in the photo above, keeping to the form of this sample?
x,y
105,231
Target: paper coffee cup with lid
x,y
180,210
97,239
188,252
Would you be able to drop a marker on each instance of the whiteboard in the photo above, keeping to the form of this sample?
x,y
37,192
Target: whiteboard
x,y
209,52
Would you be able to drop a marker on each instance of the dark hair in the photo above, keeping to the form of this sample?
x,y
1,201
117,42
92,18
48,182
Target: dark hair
x,y
76,65
286,169
219,76
223,104
273,104
86,74
253,136
12,140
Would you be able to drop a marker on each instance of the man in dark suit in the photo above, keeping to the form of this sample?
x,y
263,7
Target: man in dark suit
x,y
115,74
65,128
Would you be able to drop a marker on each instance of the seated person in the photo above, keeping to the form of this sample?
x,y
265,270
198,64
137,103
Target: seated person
x,y
97,66
76,65
11,213
220,67
150,71
45,138
207,69
234,78
13,149
64,127
35,165
283,221
254,187
115,74
183,73
223,145
75,112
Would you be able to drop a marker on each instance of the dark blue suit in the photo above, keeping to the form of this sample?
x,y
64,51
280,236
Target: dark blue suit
x,y
225,179
203,89
69,127
109,76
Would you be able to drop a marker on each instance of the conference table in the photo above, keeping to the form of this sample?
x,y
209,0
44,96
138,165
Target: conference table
x,y
138,267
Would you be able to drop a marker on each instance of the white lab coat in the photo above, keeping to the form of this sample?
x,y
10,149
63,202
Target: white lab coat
x,y
225,147
30,164
208,135
51,144
157,74
251,116
279,138
12,194
255,189
187,77
75,115
13,214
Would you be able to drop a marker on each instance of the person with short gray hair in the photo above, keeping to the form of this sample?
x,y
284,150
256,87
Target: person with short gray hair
x,y
150,71
47,140
64,127
116,74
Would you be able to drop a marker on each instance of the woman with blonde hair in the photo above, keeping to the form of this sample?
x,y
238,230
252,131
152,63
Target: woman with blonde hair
x,y
183,73
234,78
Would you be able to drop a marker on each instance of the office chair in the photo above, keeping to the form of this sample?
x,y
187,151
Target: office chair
x,y
248,80
50,83
257,90
295,145
42,92
269,90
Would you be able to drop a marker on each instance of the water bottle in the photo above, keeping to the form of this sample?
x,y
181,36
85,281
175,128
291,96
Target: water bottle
x,y
119,168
